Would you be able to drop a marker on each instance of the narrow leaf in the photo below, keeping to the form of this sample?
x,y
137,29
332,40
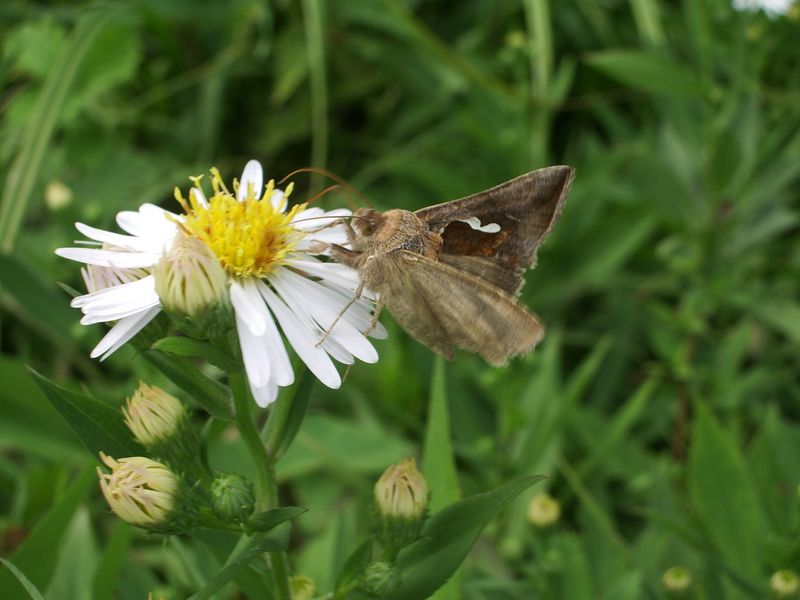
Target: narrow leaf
x,y
23,173
438,463
269,519
211,395
447,538
38,554
24,581
98,425
647,72
718,478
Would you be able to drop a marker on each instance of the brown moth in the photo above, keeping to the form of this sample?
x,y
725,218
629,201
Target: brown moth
x,y
450,273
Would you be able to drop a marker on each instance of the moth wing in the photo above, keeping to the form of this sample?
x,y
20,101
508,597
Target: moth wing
x,y
445,308
513,219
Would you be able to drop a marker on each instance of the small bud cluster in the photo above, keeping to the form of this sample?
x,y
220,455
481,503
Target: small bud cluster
x,y
401,500
175,492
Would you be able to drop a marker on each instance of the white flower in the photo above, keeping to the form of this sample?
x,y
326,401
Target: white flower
x,y
274,276
773,8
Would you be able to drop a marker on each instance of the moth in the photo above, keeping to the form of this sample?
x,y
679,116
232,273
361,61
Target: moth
x,y
450,274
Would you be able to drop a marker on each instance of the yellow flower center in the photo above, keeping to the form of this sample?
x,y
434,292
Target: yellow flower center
x,y
250,237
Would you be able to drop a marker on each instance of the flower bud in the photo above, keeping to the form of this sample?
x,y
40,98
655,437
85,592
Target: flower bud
x,y
193,288
784,584
543,510
232,497
676,580
381,579
401,491
140,491
401,497
302,587
153,415
161,423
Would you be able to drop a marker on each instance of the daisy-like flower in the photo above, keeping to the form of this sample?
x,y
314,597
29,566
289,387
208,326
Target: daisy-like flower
x,y
269,253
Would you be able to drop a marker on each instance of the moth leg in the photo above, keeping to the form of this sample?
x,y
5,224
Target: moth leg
x,y
353,300
376,315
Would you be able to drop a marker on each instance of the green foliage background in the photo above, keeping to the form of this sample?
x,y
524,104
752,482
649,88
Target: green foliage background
x,y
663,402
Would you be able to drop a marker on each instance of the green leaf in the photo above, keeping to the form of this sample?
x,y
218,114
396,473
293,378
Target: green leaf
x,y
99,426
724,496
783,316
36,301
38,554
447,538
269,519
438,463
184,346
339,445
23,173
289,414
115,552
647,71
278,539
211,395
24,581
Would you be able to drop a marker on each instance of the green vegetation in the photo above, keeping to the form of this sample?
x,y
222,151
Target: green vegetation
x,y
663,402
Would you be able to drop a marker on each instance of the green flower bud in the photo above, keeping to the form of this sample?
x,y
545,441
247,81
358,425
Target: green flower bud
x,y
193,288
401,497
302,587
232,497
543,510
784,584
140,491
381,579
677,580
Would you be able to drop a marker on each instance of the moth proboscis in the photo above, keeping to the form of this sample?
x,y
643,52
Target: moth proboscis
x,y
450,274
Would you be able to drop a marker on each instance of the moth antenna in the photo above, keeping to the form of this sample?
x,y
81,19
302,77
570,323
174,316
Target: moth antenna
x,y
342,182
341,218
328,189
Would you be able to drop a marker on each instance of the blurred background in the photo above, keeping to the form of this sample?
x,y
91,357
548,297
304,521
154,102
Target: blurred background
x,y
663,402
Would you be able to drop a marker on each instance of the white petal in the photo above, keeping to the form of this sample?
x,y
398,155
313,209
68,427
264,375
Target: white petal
x,y
150,221
109,258
266,395
199,196
277,198
122,332
360,313
249,306
282,373
303,339
128,242
139,292
316,218
337,273
254,354
253,175
320,304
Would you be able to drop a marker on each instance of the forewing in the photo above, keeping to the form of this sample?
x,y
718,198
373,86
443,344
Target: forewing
x,y
445,308
525,209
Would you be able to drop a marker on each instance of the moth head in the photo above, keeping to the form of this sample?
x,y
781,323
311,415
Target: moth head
x,y
367,221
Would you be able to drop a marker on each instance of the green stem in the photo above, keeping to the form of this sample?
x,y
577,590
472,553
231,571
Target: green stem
x,y
266,484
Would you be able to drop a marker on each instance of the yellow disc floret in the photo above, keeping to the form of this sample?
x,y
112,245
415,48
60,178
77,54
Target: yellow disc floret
x,y
250,237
